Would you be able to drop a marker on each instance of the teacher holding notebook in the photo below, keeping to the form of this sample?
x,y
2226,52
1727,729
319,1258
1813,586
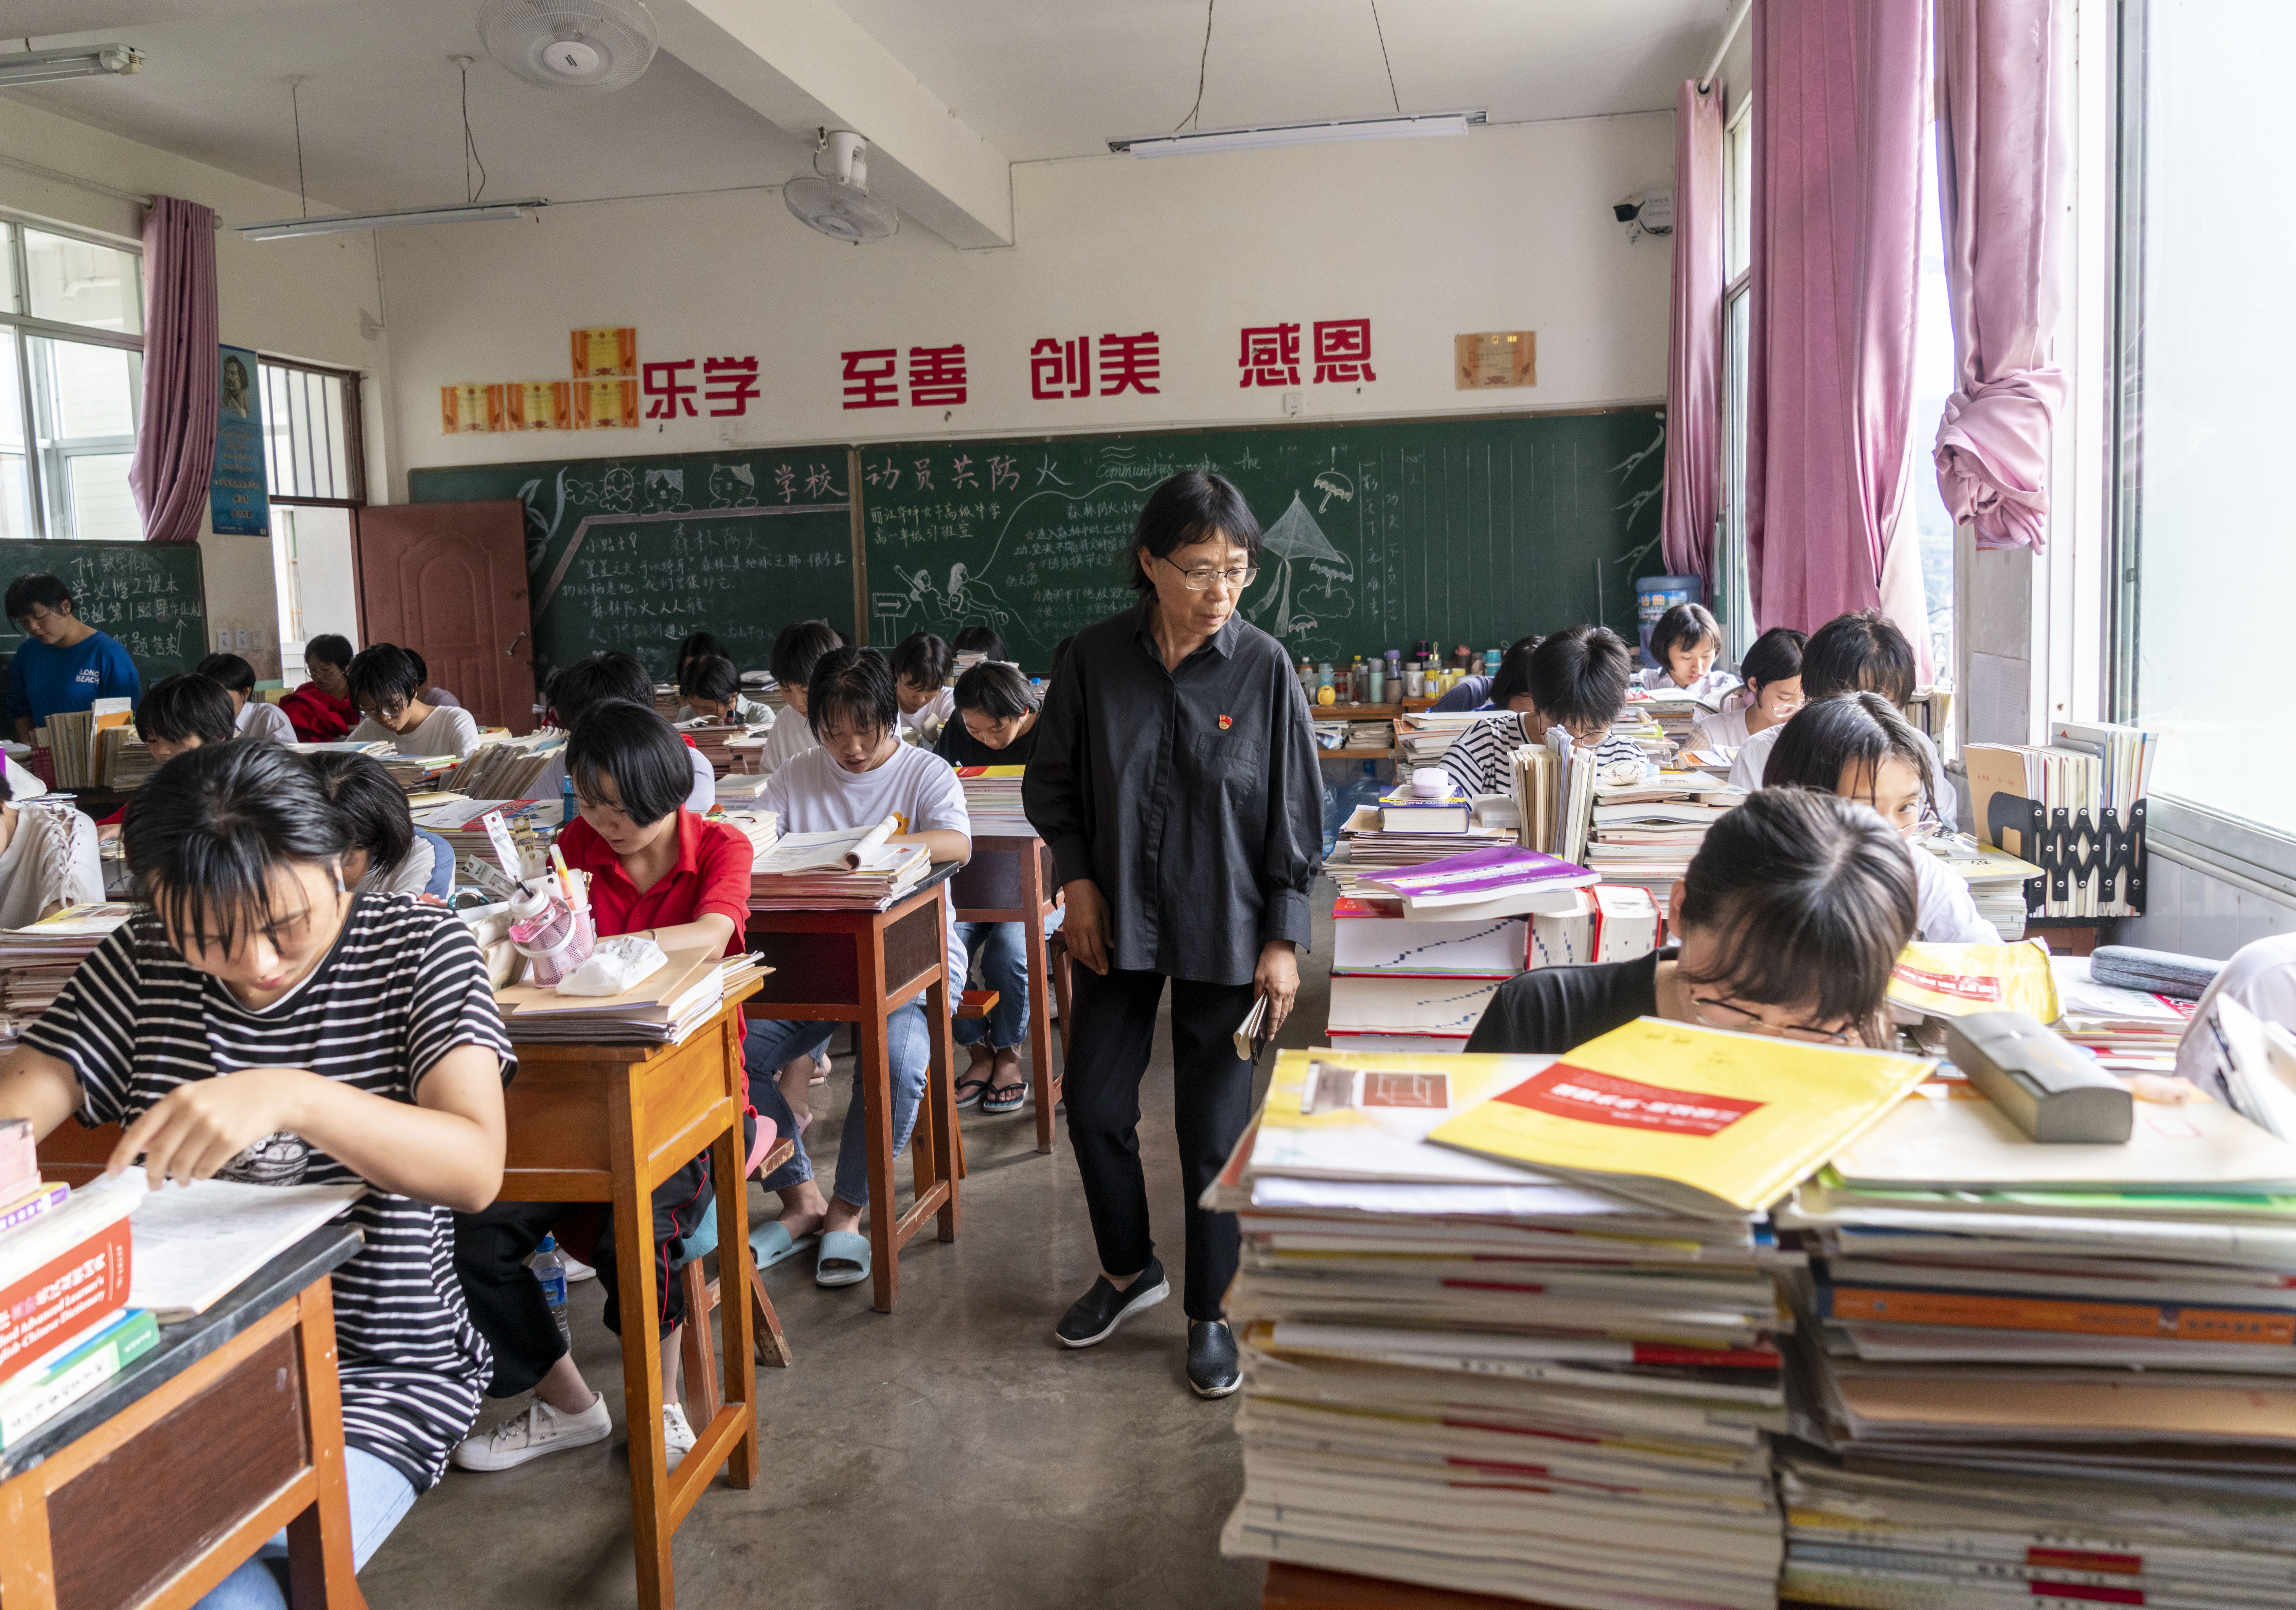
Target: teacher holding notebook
x,y
1175,779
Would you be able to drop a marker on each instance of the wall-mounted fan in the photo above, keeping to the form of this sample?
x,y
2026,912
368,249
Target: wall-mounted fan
x,y
837,203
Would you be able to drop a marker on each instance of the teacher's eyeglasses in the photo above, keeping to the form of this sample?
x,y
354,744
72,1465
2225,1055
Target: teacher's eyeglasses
x,y
1198,580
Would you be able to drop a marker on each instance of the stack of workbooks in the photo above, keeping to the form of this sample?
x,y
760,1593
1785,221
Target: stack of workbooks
x,y
762,829
36,962
122,759
70,739
505,769
992,800
1996,879
1639,725
460,823
1675,711
1643,834
1555,795
1507,1321
2092,1341
712,739
65,1326
854,869
662,1008
417,771
1424,736
2127,1031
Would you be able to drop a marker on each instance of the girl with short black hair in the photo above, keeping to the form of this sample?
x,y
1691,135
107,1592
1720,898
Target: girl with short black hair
x,y
386,684
184,712
262,1022
1857,653
700,645
982,641
1684,642
920,666
389,855
797,650
1770,696
1790,918
251,715
712,691
606,677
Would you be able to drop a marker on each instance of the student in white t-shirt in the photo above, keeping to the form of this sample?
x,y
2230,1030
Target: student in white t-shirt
x,y
2262,977
921,666
1684,642
251,716
860,773
385,684
796,652
1772,693
1858,746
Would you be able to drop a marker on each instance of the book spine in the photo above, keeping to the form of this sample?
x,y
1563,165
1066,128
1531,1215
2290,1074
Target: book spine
x,y
65,1296
20,1167
25,1412
2150,1321
20,1214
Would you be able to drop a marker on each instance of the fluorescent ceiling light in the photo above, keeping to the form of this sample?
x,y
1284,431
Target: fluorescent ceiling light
x,y
1424,126
288,229
73,61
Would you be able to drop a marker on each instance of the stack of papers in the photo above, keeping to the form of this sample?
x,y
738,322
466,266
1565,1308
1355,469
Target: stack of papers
x,y
664,1006
712,738
457,822
506,768
1496,881
1367,848
2127,1031
762,829
2087,1341
1531,1353
122,759
1996,879
1555,795
1644,834
70,739
992,800
852,870
1425,737
1675,711
36,962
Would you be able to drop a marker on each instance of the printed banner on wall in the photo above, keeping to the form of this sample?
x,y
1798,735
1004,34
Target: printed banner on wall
x,y
237,498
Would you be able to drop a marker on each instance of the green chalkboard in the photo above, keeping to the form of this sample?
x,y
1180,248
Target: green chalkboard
x,y
149,595
1463,531
635,553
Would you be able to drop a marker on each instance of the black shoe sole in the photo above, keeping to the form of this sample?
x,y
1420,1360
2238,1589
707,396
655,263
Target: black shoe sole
x,y
1147,1299
1216,1392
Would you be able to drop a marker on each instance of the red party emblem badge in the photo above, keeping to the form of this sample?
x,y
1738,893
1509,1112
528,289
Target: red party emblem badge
x,y
1227,721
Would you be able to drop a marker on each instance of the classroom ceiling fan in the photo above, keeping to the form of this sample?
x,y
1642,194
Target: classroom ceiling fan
x,y
839,203
570,44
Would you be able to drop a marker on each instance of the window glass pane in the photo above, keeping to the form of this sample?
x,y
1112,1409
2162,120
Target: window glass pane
x,y
303,428
1737,318
2211,338
103,508
1933,382
85,400
77,282
16,471
1738,184
9,289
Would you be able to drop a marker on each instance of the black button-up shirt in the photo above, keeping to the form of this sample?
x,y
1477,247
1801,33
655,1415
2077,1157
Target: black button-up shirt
x,y
1191,797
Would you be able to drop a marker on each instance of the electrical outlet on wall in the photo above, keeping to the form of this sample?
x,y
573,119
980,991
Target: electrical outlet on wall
x,y
223,643
242,640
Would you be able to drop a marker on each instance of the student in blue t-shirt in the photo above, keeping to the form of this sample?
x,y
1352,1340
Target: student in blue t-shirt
x,y
67,664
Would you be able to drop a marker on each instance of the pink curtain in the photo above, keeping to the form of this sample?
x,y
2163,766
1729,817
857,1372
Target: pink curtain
x,y
2004,101
1694,339
175,449
1840,87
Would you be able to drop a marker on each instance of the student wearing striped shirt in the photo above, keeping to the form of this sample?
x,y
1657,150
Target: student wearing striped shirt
x,y
263,1022
1575,679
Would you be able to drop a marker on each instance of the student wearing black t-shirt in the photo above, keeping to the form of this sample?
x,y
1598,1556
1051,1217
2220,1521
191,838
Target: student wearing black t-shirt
x,y
1793,912
994,725
362,1043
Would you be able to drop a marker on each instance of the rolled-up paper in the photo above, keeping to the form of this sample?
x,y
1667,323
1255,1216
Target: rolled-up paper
x,y
862,854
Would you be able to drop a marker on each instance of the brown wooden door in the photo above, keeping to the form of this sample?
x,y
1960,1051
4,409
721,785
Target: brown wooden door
x,y
449,580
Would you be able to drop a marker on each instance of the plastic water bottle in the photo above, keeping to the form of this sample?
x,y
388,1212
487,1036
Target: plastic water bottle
x,y
566,800
549,1267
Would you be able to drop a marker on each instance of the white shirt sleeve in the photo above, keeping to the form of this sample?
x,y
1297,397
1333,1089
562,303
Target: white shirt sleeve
x,y
258,719
705,783
940,799
1945,911
1753,754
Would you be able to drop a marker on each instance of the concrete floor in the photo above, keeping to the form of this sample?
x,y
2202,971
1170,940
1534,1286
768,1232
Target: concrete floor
x,y
948,1454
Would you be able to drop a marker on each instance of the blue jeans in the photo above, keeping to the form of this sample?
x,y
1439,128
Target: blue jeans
x,y
774,1041
1002,964
380,1496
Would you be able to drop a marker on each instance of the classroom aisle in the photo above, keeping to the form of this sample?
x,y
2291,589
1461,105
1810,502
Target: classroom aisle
x,y
951,1454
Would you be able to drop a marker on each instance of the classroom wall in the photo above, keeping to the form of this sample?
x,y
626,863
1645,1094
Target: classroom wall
x,y
1507,228
2197,914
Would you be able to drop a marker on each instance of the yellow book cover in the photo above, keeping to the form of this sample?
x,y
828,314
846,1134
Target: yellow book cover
x,y
1694,1120
1955,980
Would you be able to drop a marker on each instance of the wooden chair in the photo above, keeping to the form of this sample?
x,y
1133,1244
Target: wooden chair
x,y
697,1365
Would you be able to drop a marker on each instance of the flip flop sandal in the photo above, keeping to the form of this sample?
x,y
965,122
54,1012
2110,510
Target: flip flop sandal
x,y
974,1085
1005,1097
772,1244
844,1248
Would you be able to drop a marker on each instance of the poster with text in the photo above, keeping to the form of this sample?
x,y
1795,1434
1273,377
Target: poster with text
x,y
237,498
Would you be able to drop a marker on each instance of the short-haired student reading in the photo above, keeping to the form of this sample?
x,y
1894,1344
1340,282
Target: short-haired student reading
x,y
1685,643
1575,679
387,684
264,1023
1770,696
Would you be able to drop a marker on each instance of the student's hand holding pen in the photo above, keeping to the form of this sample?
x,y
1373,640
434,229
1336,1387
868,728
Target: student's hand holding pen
x,y
196,1129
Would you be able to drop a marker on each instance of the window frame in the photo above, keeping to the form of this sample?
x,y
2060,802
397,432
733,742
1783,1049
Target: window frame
x,y
44,465
1733,576
354,430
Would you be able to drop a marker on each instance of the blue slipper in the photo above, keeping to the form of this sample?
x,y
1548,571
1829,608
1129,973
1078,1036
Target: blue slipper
x,y
772,1244
842,1246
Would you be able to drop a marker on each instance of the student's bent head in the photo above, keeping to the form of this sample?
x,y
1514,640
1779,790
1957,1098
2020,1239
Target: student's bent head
x,y
1578,680
1863,652
1684,642
1511,688
1793,912
385,681
239,852
852,706
373,809
630,773
41,605
1858,746
326,658
980,640
181,713
1196,548
594,680
701,645
994,702
230,673
796,652
1772,670
710,684
920,666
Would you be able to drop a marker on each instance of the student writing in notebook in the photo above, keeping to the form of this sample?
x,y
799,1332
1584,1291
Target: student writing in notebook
x,y
1684,642
797,650
386,684
1852,654
252,716
321,710
389,855
921,666
600,679
656,868
1790,917
263,1022
859,774
1772,693
1575,679
1858,746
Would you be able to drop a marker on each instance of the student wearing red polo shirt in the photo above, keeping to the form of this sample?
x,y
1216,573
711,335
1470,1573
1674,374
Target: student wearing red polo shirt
x,y
656,868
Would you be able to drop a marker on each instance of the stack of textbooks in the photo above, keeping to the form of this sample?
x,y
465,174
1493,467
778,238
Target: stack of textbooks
x,y
65,1326
460,822
1675,711
2047,1371
1640,726
2088,780
1555,795
1368,846
662,1008
712,739
851,870
762,829
72,738
122,760
36,962
992,800
1424,737
1508,1323
2128,1031
1644,835
506,768
1996,879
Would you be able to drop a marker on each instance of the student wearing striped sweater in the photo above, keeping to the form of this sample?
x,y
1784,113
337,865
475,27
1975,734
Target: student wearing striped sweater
x,y
361,1043
1575,679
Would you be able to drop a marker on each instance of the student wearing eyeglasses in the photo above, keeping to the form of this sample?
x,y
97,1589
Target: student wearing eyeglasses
x,y
1175,779
1792,914
1575,679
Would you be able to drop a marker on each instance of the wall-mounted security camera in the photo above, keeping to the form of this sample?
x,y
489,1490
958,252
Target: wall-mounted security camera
x,y
1646,212
1624,211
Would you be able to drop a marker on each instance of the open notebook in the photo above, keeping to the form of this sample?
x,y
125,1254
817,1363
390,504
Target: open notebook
x,y
194,1243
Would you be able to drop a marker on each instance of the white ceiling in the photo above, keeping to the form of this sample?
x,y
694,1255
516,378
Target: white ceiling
x,y
1037,79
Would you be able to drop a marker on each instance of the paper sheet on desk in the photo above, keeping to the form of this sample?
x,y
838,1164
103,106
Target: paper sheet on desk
x,y
194,1243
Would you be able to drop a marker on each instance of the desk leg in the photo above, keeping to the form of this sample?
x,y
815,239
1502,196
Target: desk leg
x,y
27,1567
641,1303
320,1573
946,1141
1047,1082
877,1114
737,1325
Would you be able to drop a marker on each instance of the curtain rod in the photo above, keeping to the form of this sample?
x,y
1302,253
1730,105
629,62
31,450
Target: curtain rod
x,y
1738,15
101,189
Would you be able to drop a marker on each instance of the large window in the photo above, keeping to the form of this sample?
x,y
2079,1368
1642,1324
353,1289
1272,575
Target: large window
x,y
1935,379
71,384
1733,596
2206,340
315,466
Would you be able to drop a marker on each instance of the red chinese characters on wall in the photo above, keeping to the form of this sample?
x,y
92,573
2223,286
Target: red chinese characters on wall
x,y
1061,367
936,377
1269,354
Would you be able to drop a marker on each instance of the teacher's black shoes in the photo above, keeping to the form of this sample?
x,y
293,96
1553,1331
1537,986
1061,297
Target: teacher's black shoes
x,y
1212,1371
1094,1316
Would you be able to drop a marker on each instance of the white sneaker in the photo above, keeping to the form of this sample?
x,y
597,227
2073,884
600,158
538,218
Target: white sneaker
x,y
540,1429
676,1435
577,1270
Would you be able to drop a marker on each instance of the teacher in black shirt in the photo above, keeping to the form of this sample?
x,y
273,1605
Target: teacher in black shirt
x,y
1175,779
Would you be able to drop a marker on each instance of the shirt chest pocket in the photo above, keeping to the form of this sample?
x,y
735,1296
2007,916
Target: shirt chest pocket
x,y
1225,763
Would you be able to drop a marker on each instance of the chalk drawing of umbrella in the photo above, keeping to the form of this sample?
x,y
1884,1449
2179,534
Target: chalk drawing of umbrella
x,y
1296,536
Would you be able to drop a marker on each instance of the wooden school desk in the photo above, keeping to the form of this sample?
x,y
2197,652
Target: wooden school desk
x,y
1011,879
856,967
165,1481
